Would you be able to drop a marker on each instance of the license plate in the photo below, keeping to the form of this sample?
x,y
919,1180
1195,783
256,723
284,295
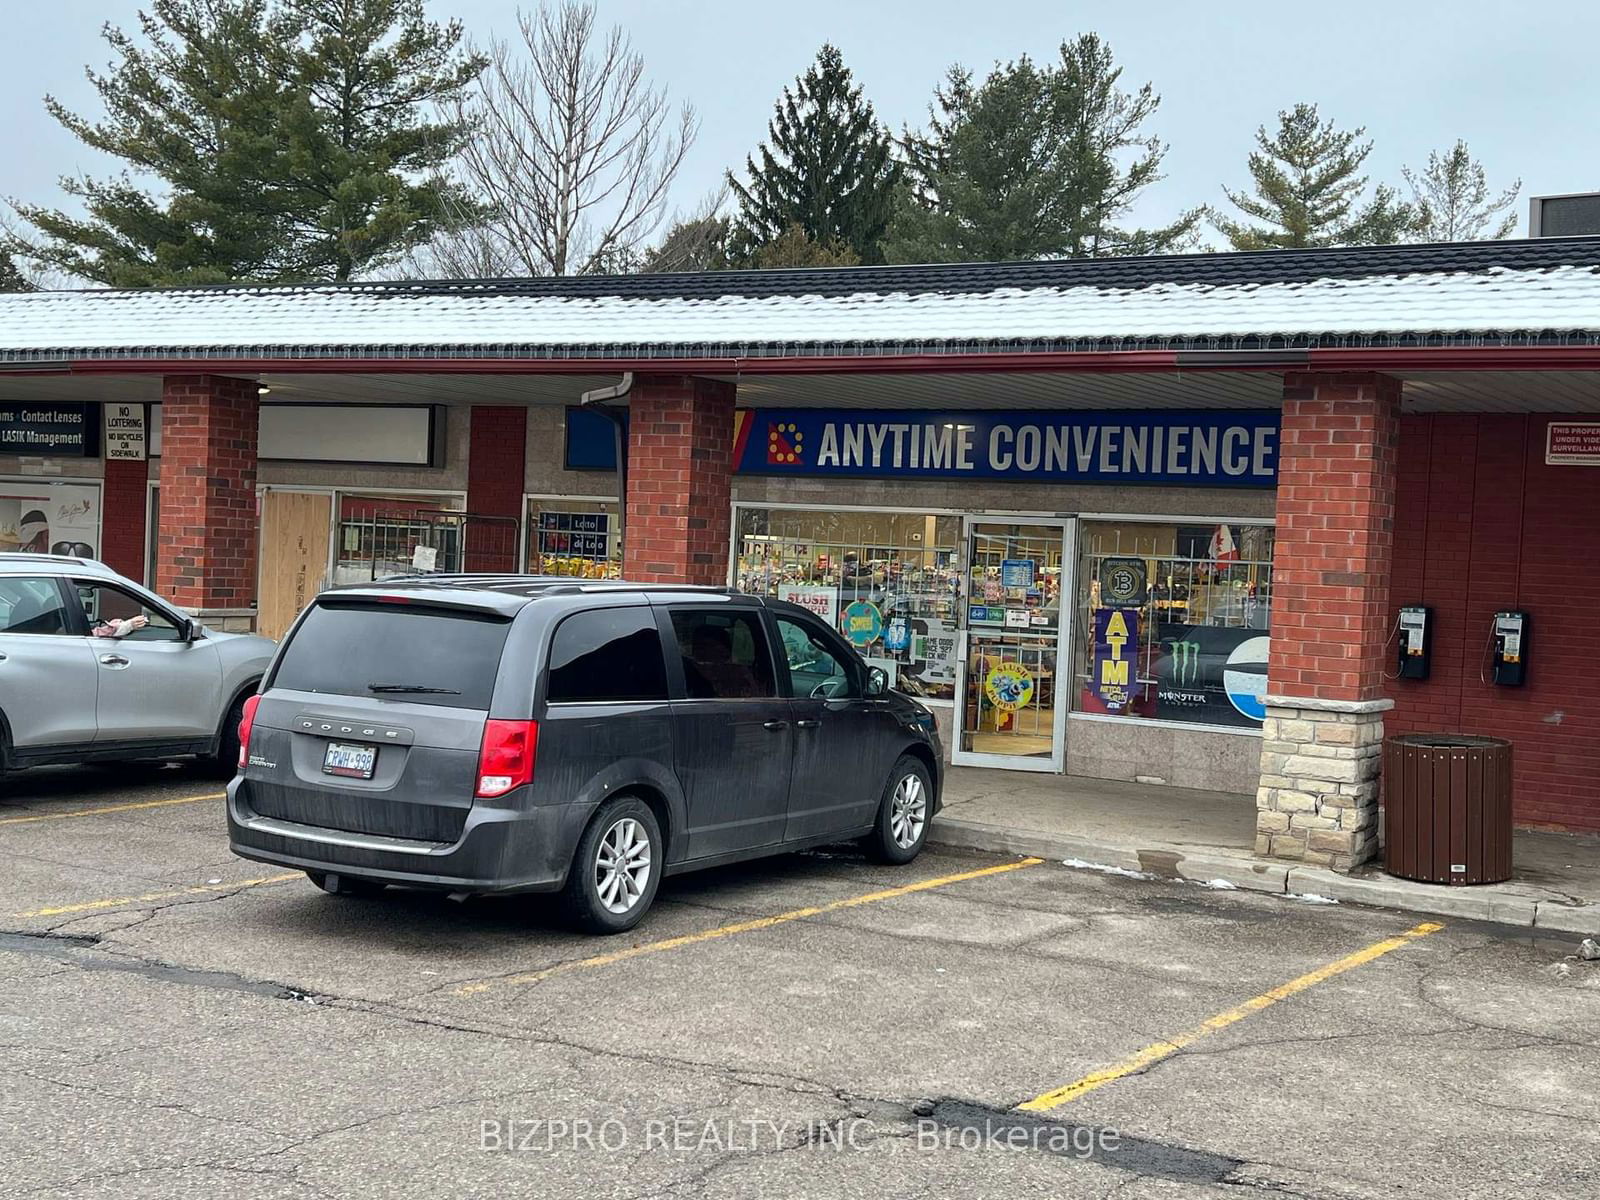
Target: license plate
x,y
351,761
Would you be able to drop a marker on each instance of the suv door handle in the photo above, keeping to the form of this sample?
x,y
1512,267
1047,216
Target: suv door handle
x,y
807,723
114,660
774,725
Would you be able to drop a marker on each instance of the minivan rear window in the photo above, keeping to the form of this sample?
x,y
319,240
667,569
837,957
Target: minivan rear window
x,y
413,653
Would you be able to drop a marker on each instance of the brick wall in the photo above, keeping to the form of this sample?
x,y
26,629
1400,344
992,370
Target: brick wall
x,y
1484,525
680,473
1335,476
497,452
206,552
124,500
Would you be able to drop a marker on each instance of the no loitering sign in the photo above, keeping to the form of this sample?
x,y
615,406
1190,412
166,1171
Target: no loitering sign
x,y
124,431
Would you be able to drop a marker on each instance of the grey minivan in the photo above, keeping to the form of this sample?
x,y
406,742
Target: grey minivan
x,y
481,734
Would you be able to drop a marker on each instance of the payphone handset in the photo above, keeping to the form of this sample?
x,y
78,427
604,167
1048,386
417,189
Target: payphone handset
x,y
1416,641
1510,648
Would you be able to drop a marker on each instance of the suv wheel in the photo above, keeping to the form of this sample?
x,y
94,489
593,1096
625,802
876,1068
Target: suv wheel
x,y
616,869
903,813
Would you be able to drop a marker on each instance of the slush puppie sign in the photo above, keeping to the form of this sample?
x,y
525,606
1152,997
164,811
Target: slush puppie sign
x,y
1206,449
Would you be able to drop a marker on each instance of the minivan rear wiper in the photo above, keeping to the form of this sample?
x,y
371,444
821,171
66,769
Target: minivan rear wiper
x,y
412,689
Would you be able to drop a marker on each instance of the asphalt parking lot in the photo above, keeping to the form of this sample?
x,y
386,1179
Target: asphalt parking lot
x,y
178,1022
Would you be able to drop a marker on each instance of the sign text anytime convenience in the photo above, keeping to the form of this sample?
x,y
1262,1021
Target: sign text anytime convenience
x,y
1216,448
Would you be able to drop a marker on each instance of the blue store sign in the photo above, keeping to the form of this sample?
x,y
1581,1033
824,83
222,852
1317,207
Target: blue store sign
x,y
1207,449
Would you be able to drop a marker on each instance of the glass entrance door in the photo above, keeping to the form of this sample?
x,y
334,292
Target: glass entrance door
x,y
1014,687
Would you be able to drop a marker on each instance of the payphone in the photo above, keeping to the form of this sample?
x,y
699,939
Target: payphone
x,y
1416,641
1509,645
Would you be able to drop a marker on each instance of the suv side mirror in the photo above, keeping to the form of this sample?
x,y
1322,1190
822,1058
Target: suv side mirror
x,y
193,631
877,681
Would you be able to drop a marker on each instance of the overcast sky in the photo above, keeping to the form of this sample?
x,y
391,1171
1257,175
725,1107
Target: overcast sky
x,y
1516,82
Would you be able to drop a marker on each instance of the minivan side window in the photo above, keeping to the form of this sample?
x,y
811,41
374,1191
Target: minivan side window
x,y
816,668
607,654
724,654
31,606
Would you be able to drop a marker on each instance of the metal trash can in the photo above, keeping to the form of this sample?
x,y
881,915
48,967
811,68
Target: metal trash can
x,y
1447,808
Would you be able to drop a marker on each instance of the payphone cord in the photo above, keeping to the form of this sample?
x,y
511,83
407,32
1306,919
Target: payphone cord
x,y
1393,639
1488,657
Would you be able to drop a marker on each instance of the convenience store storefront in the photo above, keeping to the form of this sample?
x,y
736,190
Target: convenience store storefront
x,y
1042,634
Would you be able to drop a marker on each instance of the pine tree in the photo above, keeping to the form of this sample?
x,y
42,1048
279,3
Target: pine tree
x,y
1453,197
11,279
1033,163
282,139
793,248
358,174
1308,190
826,167
190,110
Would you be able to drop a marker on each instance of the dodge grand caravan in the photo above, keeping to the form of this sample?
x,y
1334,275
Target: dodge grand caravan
x,y
481,734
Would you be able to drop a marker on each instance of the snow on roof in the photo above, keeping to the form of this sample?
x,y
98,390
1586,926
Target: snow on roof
x,y
1552,290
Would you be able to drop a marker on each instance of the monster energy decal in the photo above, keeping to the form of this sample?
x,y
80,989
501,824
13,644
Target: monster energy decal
x,y
1214,675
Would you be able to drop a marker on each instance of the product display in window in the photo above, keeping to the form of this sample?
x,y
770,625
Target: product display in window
x,y
889,582
1174,621
575,537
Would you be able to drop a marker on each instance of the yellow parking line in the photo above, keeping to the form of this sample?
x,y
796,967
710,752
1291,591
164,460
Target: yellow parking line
x,y
1157,1051
150,897
722,931
107,808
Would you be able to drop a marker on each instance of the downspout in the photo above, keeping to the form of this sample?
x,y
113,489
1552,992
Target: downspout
x,y
596,399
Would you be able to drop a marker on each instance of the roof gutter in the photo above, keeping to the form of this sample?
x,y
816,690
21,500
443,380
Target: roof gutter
x,y
1370,358
595,398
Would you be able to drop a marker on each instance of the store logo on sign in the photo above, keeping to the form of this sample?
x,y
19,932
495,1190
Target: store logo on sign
x,y
862,623
785,444
1009,685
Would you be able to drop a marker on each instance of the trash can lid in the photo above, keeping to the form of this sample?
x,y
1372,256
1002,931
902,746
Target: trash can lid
x,y
1448,741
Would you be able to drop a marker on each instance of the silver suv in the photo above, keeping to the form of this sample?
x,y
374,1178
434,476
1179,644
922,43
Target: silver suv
x,y
95,668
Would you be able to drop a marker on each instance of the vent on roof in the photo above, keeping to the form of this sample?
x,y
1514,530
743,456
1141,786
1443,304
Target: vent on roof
x,y
1576,214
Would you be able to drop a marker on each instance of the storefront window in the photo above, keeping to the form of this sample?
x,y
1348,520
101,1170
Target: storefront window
x,y
1173,621
890,582
379,536
39,517
575,536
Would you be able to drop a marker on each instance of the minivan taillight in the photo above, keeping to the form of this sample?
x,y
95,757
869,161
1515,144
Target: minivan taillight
x,y
506,760
245,722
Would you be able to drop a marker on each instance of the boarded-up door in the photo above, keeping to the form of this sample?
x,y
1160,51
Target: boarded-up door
x,y
295,527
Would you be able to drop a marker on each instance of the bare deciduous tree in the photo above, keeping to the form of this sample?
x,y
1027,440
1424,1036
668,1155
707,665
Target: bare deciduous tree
x,y
573,156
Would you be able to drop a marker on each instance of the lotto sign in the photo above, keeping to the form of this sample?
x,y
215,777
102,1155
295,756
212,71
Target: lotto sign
x,y
1009,685
1116,653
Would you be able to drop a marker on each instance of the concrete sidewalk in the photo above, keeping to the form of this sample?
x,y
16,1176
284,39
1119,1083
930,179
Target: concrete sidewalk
x,y
1179,833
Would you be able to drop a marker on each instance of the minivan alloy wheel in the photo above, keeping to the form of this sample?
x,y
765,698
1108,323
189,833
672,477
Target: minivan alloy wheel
x,y
622,865
908,811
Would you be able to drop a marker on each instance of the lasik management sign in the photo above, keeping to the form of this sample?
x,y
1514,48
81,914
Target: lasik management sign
x,y
1206,449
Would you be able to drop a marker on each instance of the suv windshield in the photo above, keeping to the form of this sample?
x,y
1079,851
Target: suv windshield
x,y
413,653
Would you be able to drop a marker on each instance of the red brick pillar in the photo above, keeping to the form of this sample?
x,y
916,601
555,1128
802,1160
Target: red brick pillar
x,y
680,480
497,453
125,502
1318,798
206,551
